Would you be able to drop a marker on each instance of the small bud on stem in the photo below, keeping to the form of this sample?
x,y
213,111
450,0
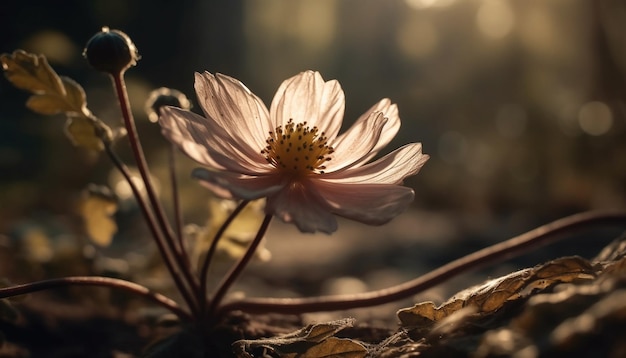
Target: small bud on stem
x,y
111,51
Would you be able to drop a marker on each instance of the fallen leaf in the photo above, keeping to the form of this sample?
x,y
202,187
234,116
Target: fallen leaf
x,y
299,342
335,347
494,294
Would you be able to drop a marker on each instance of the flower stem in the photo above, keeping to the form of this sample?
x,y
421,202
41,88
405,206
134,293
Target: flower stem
x,y
156,233
133,137
204,269
533,239
238,268
178,215
101,282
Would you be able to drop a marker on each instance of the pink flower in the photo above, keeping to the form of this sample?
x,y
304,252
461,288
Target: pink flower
x,y
293,154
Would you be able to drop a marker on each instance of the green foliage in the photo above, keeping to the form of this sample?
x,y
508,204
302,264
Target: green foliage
x,y
53,94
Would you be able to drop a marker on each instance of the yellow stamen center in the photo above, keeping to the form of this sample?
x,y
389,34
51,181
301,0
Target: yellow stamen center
x,y
297,149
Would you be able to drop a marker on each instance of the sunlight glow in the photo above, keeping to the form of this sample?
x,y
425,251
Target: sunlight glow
x,y
122,189
57,46
495,18
421,4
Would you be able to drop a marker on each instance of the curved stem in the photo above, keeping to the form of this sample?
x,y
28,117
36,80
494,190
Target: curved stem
x,y
204,269
156,233
100,281
238,268
499,252
133,137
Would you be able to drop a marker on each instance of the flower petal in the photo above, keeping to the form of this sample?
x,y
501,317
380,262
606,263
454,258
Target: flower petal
x,y
176,132
228,185
306,97
391,128
390,169
191,132
233,107
372,204
300,204
357,142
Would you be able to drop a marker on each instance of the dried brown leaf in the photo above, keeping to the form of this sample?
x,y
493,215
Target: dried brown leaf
x,y
299,342
53,94
84,132
47,104
494,294
75,97
31,72
335,347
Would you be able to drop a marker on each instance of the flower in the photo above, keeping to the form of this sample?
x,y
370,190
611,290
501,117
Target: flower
x,y
293,154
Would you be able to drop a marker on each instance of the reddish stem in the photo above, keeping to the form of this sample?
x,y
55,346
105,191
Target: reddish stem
x,y
533,239
168,235
238,268
101,282
156,233
178,215
204,269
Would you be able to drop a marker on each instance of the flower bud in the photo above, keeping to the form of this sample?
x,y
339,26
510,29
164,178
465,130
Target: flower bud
x,y
165,97
111,51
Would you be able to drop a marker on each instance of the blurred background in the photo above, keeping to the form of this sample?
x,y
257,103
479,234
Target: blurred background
x,y
520,105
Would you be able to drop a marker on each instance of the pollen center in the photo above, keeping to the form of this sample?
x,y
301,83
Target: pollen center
x,y
297,149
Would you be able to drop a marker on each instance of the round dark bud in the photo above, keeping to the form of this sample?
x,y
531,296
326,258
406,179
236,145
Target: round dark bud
x,y
165,97
111,51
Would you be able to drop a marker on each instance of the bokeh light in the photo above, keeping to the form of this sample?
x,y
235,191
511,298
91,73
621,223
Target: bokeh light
x,y
595,118
495,18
